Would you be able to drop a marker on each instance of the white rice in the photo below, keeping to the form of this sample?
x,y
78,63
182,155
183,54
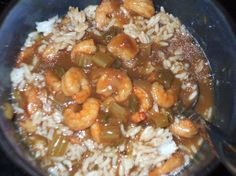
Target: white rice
x,y
153,147
90,12
31,39
150,30
46,27
133,131
23,75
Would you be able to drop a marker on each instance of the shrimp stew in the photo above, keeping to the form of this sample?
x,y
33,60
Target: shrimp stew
x,y
101,91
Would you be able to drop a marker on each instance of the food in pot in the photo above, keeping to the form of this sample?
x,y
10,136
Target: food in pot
x,y
100,91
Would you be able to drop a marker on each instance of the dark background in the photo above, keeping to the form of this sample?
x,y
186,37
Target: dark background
x,y
7,168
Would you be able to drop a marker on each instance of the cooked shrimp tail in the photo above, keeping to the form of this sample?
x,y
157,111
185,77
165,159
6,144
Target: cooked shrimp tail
x,y
116,83
76,85
53,82
145,103
164,98
85,118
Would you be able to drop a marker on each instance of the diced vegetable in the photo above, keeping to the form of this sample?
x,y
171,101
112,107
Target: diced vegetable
x,y
58,145
117,64
117,111
59,71
98,39
142,66
133,103
145,49
112,32
159,119
60,98
104,118
143,84
103,60
179,108
8,111
34,142
83,60
102,48
111,134
165,77
106,104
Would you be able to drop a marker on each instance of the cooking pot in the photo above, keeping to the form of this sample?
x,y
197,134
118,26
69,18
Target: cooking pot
x,y
204,19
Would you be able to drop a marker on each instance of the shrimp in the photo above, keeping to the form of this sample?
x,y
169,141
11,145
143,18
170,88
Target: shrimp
x,y
85,118
75,84
144,98
53,82
164,98
184,128
144,8
114,82
95,130
123,46
33,101
145,101
104,10
84,47
175,162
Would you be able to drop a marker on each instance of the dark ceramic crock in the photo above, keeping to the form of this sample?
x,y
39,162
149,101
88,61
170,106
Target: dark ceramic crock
x,y
206,21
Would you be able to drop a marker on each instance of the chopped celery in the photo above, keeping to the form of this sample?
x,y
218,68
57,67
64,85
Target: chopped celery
x,y
8,111
111,134
103,60
62,146
118,112
33,140
112,32
143,84
58,145
98,39
60,98
160,120
117,64
165,77
83,60
104,118
59,71
102,48
146,49
179,108
133,103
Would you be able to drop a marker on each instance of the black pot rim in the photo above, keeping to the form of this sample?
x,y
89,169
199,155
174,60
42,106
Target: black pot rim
x,y
29,168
